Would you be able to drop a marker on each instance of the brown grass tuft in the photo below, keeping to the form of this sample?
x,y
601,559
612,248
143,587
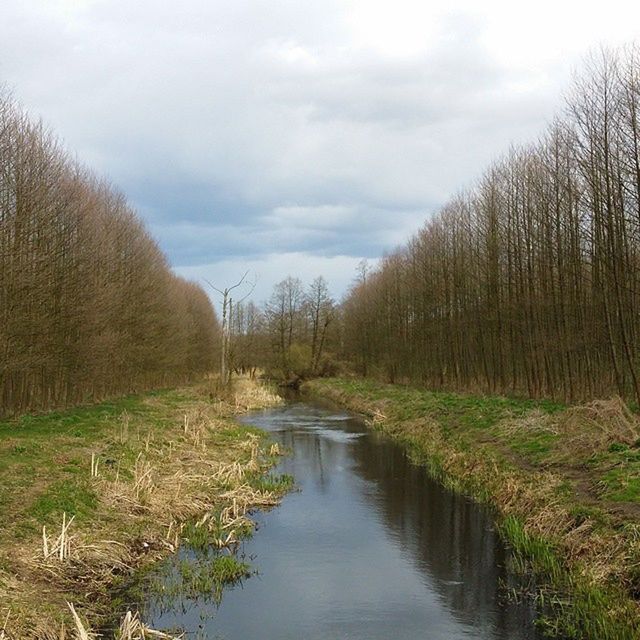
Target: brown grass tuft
x,y
592,427
193,469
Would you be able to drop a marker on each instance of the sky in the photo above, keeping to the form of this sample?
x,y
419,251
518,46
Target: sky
x,y
295,137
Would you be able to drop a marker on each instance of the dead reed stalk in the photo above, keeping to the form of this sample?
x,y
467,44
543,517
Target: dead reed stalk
x,y
94,465
82,632
125,419
274,450
60,547
132,628
5,626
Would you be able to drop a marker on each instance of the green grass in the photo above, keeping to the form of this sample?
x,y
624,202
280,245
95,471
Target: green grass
x,y
276,483
228,569
622,484
534,446
235,433
45,459
197,577
616,473
454,409
73,498
531,551
207,577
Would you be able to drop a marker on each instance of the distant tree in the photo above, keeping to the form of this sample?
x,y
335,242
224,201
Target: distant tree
x,y
320,307
285,319
227,311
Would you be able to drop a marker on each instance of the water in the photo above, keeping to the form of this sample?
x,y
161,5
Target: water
x,y
369,548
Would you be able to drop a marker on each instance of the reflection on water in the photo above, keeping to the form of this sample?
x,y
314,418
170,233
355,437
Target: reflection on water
x,y
370,548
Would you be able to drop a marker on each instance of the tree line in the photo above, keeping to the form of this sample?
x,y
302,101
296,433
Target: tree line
x,y
88,305
294,335
529,282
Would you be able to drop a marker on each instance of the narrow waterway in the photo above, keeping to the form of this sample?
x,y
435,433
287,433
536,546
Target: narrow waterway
x,y
368,548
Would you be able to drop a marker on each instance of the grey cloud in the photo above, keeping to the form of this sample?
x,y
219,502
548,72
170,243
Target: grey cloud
x,y
249,128
287,231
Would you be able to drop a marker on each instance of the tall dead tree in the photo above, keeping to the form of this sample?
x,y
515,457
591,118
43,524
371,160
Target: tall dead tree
x,y
227,309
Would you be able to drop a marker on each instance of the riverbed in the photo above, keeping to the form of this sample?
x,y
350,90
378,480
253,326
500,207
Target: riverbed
x,y
367,547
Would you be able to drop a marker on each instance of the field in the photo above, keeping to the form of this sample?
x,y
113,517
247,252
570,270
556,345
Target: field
x,y
91,496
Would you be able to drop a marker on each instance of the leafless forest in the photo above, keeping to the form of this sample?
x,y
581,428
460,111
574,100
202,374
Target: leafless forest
x,y
295,334
88,305
528,282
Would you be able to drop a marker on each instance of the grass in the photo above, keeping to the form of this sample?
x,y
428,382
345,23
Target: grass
x,y
74,497
531,553
534,447
476,412
564,481
278,483
44,459
202,538
196,576
617,472
170,465
621,485
210,576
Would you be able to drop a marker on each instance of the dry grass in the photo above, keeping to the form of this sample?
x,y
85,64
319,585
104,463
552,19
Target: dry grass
x,y
535,421
589,428
194,468
578,431
132,628
248,396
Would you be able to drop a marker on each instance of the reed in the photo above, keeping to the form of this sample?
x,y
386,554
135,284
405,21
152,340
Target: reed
x,y
171,468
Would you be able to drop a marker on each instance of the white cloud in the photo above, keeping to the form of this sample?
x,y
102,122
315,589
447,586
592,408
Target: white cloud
x,y
312,217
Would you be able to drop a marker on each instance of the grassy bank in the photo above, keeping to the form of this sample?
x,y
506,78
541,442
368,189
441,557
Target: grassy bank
x,y
91,496
565,483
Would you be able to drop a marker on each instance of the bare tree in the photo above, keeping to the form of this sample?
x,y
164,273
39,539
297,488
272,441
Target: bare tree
x,y
321,313
530,281
88,305
227,310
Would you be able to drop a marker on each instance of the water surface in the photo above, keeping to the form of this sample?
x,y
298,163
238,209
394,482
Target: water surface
x,y
369,548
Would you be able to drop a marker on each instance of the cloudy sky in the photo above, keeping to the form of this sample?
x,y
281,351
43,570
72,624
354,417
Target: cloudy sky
x,y
295,136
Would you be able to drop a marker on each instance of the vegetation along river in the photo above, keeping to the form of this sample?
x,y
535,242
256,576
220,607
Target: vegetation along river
x,y
369,547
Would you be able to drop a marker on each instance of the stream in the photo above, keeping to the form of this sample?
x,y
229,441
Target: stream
x,y
368,548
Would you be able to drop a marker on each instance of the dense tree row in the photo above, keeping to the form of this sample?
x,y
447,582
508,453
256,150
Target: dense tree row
x,y
88,305
295,334
529,282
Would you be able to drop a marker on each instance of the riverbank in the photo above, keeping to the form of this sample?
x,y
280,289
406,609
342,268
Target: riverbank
x,y
91,496
565,483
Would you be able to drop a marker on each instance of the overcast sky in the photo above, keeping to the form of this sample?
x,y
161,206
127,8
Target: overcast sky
x,y
295,136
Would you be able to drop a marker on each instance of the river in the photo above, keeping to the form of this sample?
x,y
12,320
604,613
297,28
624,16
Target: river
x,y
368,547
